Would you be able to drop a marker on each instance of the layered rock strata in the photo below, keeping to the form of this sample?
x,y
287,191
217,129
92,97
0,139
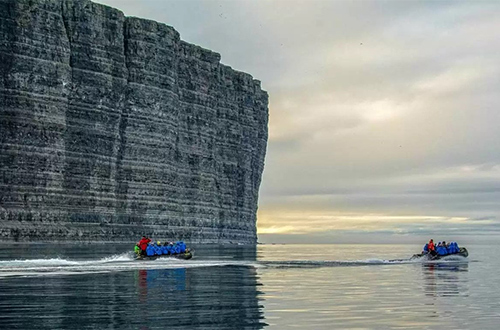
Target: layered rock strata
x,y
112,127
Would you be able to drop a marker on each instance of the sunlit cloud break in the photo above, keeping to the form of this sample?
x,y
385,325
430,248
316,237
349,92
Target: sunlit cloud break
x,y
307,223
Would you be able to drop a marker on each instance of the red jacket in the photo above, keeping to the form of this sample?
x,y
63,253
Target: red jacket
x,y
143,243
431,246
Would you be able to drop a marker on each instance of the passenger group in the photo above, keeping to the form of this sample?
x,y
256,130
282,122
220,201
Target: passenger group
x,y
147,248
442,248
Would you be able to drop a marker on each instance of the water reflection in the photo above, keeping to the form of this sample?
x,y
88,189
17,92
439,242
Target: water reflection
x,y
445,279
212,297
200,298
169,279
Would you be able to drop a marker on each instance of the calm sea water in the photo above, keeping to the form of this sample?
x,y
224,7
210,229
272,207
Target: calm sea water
x,y
263,287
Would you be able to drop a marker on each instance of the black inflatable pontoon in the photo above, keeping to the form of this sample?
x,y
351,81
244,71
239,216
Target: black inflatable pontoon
x,y
185,256
434,256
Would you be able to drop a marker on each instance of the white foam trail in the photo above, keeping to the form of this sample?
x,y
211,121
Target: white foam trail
x,y
121,262
64,262
118,258
126,262
44,262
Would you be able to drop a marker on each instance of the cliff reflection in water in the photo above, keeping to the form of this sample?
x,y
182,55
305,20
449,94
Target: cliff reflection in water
x,y
445,279
199,298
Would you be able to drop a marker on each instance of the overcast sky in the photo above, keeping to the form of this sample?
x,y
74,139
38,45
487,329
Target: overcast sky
x,y
384,115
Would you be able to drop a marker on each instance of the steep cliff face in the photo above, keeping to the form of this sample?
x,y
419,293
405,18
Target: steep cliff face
x,y
112,127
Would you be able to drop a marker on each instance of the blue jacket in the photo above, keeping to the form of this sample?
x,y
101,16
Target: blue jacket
x,y
441,250
150,250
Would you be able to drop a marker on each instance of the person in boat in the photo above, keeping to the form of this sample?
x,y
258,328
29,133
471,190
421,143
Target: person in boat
x,y
171,247
137,250
150,250
143,244
176,248
431,247
450,248
164,249
158,250
441,249
182,247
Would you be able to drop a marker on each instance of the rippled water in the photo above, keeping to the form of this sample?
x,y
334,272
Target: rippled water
x,y
269,286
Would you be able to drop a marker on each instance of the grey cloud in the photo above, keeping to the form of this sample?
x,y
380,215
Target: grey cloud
x,y
374,104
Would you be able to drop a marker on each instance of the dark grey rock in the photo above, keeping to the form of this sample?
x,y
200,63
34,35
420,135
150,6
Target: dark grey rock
x,y
112,127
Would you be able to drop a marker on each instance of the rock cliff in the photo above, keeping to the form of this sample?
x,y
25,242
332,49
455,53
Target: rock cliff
x,y
112,127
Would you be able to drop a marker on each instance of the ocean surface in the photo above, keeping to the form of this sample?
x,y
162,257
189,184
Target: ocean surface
x,y
343,286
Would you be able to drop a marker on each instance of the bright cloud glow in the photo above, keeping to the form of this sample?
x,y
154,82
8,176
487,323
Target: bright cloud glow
x,y
304,223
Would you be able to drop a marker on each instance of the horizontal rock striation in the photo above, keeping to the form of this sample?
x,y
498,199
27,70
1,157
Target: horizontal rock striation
x,y
112,127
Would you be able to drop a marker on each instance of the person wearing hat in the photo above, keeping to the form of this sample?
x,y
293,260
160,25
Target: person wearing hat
x,y
157,247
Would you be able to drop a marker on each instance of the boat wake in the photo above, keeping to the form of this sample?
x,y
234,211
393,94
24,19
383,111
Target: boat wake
x,y
115,263
126,262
